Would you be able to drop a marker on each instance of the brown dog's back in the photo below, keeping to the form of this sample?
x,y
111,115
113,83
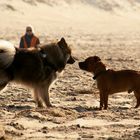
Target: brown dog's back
x,y
119,81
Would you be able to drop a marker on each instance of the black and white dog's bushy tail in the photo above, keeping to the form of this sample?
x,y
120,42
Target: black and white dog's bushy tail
x,y
7,54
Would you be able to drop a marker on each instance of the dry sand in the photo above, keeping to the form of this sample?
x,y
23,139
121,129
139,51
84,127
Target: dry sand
x,y
111,30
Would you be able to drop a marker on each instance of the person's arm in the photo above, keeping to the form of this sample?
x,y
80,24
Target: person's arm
x,y
38,41
21,45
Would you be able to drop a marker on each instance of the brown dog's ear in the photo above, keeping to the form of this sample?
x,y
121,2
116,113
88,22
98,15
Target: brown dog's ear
x,y
96,59
62,43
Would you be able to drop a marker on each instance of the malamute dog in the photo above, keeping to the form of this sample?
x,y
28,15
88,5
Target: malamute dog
x,y
34,67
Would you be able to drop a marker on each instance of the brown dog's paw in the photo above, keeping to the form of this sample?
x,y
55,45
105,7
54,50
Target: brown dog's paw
x,y
40,105
50,105
105,108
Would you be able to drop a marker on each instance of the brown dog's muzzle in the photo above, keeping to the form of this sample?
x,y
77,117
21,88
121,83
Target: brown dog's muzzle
x,y
71,60
82,65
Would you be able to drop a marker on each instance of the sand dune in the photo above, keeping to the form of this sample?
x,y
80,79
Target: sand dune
x,y
47,16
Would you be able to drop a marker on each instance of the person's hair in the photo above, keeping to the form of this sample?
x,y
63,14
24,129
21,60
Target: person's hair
x,y
31,27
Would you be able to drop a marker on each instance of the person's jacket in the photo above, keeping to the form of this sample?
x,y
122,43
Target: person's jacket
x,y
29,41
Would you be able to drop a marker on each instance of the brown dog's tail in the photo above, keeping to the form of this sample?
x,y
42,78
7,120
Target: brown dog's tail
x,y
7,53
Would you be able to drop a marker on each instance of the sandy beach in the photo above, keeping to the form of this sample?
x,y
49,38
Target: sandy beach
x,y
107,28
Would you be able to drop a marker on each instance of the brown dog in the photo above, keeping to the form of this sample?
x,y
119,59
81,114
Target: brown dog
x,y
110,81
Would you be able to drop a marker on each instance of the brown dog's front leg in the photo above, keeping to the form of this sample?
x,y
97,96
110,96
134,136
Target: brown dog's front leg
x,y
137,95
101,100
105,100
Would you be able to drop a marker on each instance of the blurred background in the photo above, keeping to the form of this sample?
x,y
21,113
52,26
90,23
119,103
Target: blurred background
x,y
67,17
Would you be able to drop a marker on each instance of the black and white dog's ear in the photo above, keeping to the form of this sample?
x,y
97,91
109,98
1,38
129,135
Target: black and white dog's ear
x,y
62,39
62,43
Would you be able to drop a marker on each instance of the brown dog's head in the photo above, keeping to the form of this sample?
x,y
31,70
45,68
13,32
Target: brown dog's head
x,y
91,63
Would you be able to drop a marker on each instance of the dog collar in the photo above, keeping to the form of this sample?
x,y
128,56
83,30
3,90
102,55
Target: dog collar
x,y
46,62
99,74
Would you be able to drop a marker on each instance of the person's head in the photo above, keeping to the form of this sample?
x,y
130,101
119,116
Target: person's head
x,y
29,30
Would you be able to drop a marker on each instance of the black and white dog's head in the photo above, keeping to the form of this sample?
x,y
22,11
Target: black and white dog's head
x,y
57,55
